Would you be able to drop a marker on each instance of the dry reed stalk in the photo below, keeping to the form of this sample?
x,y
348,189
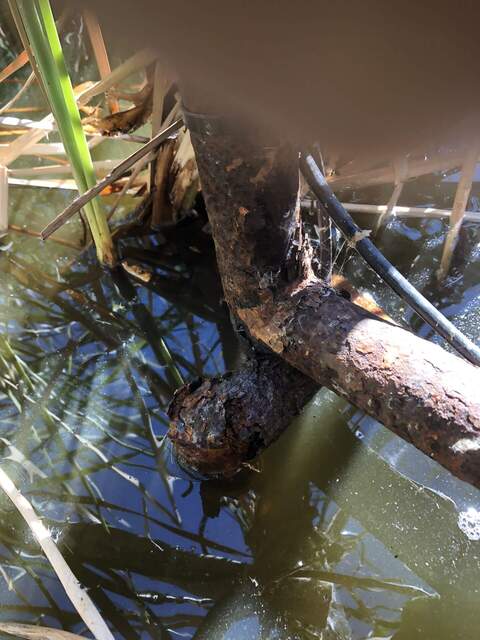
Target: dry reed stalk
x,y
34,632
186,183
407,212
161,211
100,53
28,109
19,62
160,87
52,183
138,61
400,168
23,89
67,184
117,173
37,149
459,206
100,166
23,143
77,594
416,167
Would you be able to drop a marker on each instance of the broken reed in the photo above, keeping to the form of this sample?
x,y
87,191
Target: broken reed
x,y
39,24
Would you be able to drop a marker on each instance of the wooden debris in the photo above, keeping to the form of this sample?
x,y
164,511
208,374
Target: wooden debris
x,y
383,268
162,210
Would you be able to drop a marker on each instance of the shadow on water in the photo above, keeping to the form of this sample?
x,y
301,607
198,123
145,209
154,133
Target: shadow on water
x,y
344,531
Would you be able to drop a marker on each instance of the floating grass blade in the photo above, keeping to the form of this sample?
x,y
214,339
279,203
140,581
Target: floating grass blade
x,y
42,34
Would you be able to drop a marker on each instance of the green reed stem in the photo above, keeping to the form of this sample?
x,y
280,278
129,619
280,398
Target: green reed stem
x,y
39,23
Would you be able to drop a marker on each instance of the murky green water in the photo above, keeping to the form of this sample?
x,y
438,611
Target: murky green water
x,y
343,532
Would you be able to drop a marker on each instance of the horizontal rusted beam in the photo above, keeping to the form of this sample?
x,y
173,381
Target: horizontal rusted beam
x,y
415,388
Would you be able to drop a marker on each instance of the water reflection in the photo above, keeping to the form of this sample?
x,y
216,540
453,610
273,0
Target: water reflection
x,y
330,538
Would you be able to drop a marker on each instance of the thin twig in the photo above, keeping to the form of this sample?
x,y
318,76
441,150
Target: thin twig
x,y
133,176
117,173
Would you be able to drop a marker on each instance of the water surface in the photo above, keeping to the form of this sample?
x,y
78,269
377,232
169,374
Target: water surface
x,y
342,531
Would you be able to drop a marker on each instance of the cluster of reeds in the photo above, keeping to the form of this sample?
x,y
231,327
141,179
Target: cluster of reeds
x,y
175,180
43,44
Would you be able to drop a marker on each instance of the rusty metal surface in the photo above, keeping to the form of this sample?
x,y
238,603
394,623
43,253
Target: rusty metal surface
x,y
415,388
251,188
218,424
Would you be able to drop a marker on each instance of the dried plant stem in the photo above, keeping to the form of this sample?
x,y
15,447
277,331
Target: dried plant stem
x,y
415,168
43,38
117,173
54,169
400,167
19,94
77,594
34,632
459,206
407,212
100,53
19,62
23,143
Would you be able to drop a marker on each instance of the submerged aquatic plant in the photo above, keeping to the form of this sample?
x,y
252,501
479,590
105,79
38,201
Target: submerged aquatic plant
x,y
39,24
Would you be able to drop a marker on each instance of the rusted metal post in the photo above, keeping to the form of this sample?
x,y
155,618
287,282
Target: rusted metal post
x,y
421,392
